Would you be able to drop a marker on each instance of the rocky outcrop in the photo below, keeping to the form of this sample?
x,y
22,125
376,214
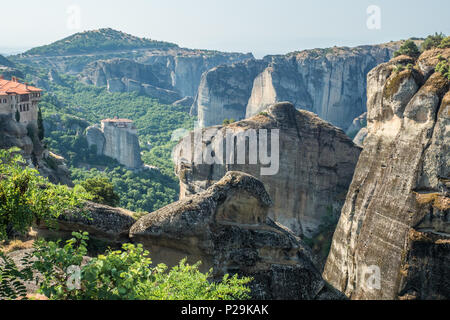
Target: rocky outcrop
x,y
104,223
329,82
357,124
228,229
117,139
224,91
316,162
360,137
24,137
395,220
124,75
168,76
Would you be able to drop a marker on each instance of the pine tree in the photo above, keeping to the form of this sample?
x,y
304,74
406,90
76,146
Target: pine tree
x,y
41,132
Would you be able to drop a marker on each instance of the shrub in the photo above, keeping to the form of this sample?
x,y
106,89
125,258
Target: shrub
x,y
26,197
126,274
432,41
41,132
443,68
102,191
445,43
228,121
409,48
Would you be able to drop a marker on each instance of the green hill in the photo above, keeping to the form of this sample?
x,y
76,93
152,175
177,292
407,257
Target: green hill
x,y
97,41
5,62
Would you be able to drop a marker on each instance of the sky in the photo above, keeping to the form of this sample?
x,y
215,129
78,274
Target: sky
x,y
258,26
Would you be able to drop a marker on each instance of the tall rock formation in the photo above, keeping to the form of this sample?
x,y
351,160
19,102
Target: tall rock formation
x,y
227,86
329,82
168,76
227,228
117,139
25,137
316,163
125,75
395,221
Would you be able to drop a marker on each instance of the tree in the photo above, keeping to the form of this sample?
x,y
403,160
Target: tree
x,y
26,197
126,274
17,116
40,123
102,191
432,41
409,48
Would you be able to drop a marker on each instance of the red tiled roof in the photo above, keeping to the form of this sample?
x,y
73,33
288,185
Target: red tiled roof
x,y
13,87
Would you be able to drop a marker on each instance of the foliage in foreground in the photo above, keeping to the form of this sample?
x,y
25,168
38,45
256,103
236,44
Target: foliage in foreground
x,y
126,274
27,198
12,279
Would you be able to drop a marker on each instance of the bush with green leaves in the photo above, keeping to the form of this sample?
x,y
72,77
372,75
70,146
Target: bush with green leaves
x,y
27,198
445,43
139,191
228,121
443,68
409,48
102,191
126,274
12,279
432,41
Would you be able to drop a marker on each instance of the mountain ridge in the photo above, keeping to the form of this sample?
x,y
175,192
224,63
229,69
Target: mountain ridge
x,y
99,39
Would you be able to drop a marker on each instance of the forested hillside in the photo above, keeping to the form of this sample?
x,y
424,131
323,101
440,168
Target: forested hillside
x,y
97,40
69,107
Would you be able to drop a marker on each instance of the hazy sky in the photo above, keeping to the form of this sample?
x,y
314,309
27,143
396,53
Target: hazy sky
x,y
258,26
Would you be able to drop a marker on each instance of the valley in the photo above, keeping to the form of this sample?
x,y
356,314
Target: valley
x,y
359,136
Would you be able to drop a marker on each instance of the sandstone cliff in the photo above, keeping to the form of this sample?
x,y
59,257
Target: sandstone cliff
x,y
25,137
316,164
228,229
124,75
396,216
329,82
117,139
168,76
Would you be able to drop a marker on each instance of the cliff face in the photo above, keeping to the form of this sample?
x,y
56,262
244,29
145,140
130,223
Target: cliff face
x,y
316,163
124,75
116,140
228,229
227,86
167,75
24,137
396,216
329,82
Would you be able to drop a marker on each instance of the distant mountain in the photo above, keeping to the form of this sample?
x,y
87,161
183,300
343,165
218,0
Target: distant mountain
x,y
98,41
124,63
5,62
